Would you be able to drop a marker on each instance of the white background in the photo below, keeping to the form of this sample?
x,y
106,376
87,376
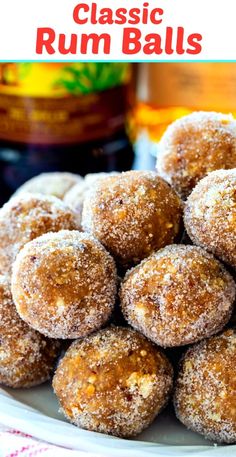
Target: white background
x,y
214,19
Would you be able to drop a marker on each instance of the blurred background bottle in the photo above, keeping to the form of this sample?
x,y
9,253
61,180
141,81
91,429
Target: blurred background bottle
x,y
63,117
167,91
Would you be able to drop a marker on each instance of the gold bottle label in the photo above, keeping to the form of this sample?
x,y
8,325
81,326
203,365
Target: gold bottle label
x,y
199,86
62,103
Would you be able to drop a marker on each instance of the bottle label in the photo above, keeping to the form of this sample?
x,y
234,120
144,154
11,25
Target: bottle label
x,y
62,103
204,86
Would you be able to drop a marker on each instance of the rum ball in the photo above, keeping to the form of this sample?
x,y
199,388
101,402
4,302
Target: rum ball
x,y
195,145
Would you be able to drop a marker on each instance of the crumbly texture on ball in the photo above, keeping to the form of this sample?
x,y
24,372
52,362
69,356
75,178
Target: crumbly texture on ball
x,y
205,389
53,183
26,217
210,214
178,296
114,382
132,214
27,358
76,195
64,284
195,145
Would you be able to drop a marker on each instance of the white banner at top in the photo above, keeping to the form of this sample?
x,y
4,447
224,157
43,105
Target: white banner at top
x,y
124,30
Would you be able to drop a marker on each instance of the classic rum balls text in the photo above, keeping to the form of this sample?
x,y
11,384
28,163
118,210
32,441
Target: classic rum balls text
x,y
134,41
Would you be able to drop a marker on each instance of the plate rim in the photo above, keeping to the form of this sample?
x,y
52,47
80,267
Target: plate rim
x,y
16,414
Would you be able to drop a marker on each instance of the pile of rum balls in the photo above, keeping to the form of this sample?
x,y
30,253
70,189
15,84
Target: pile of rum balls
x,y
122,269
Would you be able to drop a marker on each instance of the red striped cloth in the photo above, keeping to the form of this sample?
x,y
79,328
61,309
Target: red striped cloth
x,y
14,443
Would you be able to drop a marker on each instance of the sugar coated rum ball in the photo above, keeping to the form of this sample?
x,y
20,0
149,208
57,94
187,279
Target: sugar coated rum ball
x,y
64,284
132,215
205,389
179,295
114,381
195,145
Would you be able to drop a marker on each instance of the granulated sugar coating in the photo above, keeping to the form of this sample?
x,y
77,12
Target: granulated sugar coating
x,y
114,382
195,145
54,183
178,296
132,214
210,214
76,195
206,388
26,217
27,358
64,284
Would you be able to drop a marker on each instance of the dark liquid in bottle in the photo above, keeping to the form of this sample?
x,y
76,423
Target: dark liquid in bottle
x,y
19,162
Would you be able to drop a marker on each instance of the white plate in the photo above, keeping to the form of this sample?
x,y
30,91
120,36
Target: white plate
x,y
35,411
